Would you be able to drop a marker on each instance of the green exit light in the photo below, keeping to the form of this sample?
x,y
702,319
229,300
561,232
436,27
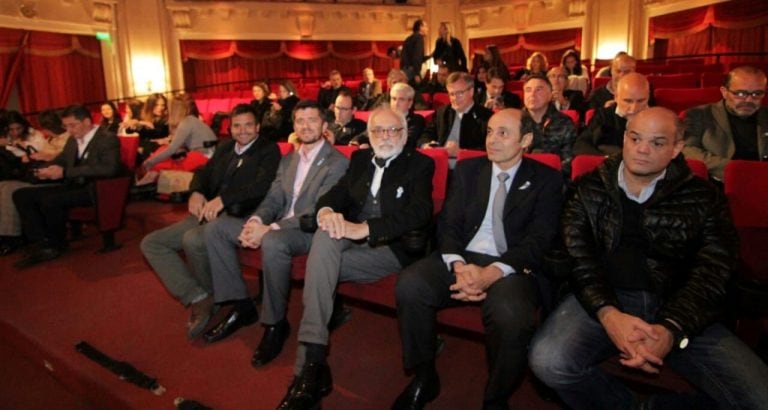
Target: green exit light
x,y
102,36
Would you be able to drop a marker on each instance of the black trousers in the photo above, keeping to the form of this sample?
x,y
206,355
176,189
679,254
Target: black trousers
x,y
509,316
43,211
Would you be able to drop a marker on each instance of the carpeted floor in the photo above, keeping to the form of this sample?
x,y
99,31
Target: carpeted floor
x,y
116,303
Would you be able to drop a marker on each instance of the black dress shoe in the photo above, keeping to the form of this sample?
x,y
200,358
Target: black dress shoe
x,y
421,390
308,388
38,256
271,343
234,320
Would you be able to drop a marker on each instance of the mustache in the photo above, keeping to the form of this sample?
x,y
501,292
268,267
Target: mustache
x,y
746,105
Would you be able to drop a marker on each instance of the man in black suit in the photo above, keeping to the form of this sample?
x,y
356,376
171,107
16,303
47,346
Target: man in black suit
x,y
345,129
232,182
500,219
326,97
385,193
91,153
462,123
412,56
496,97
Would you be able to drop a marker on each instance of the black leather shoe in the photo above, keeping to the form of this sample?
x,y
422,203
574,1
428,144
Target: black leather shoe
x,y
271,343
308,388
38,256
234,320
420,391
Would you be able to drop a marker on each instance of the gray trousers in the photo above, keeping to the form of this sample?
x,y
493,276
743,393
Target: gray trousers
x,y
186,282
332,261
221,243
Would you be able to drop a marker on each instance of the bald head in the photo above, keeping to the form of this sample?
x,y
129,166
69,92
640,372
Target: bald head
x,y
662,117
632,93
622,65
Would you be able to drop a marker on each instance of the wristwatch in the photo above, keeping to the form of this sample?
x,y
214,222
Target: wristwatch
x,y
679,338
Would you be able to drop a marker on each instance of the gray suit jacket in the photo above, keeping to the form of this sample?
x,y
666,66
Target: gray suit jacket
x,y
329,166
708,136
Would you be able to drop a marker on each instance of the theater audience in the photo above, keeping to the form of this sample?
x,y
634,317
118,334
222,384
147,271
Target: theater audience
x,y
368,91
552,130
653,250
448,50
233,183
327,94
401,101
495,96
577,76
536,64
302,177
276,124
90,154
622,65
462,123
488,254
734,128
346,129
385,193
604,134
10,223
110,117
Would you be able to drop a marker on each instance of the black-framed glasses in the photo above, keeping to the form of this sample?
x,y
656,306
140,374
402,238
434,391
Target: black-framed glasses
x,y
745,93
389,132
459,93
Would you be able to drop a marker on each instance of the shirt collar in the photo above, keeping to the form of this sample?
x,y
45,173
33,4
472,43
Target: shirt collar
x,y
88,137
312,153
646,193
240,150
495,171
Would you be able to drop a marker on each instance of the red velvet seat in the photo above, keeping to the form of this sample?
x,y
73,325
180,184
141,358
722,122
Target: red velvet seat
x,y
684,98
674,80
588,116
347,150
439,100
285,148
573,115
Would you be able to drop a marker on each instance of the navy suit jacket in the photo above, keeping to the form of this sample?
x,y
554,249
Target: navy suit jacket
x,y
531,211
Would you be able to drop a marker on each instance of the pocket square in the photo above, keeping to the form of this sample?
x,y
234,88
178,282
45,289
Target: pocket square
x,y
399,192
525,186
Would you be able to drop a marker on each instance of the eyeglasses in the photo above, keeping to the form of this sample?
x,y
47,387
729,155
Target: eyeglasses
x,y
745,93
460,93
389,132
344,108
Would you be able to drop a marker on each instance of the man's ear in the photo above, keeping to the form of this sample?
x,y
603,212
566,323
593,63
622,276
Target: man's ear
x,y
527,140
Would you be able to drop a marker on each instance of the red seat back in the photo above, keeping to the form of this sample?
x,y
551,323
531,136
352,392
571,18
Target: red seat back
x,y
439,100
588,116
347,150
285,148
439,178
684,98
582,164
128,149
573,115
746,185
674,80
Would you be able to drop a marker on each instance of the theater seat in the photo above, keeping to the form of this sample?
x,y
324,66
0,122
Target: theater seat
x,y
439,100
681,99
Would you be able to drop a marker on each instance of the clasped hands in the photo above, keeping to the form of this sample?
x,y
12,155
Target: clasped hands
x,y
472,281
641,345
339,228
203,209
51,172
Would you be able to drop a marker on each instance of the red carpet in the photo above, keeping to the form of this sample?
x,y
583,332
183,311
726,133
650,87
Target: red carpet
x,y
116,303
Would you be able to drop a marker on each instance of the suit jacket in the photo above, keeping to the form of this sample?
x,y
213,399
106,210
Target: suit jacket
x,y
405,195
327,96
708,136
531,211
413,52
101,158
327,169
248,184
472,131
603,136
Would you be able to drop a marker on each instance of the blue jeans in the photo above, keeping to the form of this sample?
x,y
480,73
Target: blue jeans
x,y
566,351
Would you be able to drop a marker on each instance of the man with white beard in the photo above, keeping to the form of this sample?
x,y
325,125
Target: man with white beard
x,y
385,194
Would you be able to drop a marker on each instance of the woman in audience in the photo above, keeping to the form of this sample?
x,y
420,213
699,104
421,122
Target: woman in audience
x,y
152,126
578,78
260,102
47,149
277,124
110,117
448,50
190,138
21,141
480,72
493,59
133,110
536,65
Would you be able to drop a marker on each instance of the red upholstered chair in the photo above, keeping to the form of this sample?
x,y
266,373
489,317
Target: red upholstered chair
x,y
588,116
552,160
710,79
215,105
439,100
440,177
514,85
582,164
111,197
699,168
681,99
674,80
746,185
285,148
599,82
427,99
469,153
573,115
347,150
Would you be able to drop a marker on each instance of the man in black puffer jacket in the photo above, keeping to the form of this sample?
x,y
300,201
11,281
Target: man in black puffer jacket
x,y
653,248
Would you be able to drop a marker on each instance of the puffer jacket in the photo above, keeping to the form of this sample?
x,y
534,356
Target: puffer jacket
x,y
692,242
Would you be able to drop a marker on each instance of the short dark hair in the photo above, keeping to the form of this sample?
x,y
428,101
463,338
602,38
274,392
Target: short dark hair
x,y
307,104
457,76
241,109
78,111
492,73
539,77
50,120
417,25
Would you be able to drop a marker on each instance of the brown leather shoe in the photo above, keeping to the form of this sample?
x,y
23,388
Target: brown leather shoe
x,y
201,313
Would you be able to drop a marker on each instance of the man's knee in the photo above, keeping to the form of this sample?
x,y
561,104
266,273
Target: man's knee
x,y
410,286
150,244
193,240
548,359
272,244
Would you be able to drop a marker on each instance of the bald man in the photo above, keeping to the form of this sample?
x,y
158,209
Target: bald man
x,y
735,127
605,133
653,249
490,251
621,65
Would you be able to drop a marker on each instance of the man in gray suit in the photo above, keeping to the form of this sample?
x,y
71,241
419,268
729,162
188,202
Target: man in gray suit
x,y
734,128
302,178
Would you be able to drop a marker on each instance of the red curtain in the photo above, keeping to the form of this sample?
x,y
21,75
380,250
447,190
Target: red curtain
x,y
734,26
228,61
516,48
